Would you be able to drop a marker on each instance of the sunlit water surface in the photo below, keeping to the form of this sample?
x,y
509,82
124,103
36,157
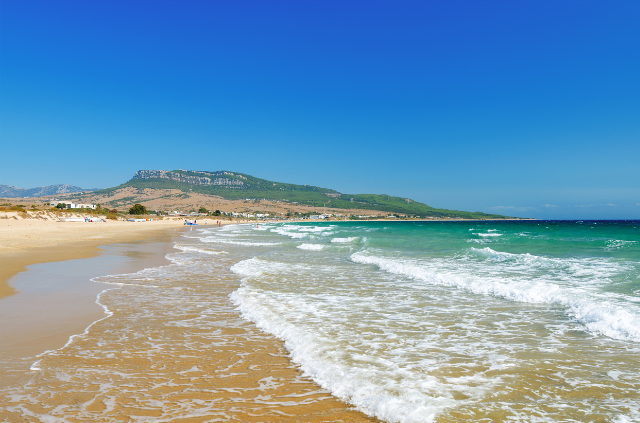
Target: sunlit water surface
x,y
404,321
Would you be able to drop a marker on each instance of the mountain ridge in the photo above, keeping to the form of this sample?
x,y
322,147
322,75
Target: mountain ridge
x,y
9,191
239,186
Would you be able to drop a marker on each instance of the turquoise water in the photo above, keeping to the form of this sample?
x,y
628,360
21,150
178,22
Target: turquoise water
x,y
453,321
407,321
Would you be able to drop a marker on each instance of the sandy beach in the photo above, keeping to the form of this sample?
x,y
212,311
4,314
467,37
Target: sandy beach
x,y
48,296
42,307
30,241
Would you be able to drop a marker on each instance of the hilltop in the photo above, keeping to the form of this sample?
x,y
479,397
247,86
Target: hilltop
x,y
161,189
8,191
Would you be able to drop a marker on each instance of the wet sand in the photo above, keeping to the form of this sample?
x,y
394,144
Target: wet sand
x,y
139,362
31,241
55,300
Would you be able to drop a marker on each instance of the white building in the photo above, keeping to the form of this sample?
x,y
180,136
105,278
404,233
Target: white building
x,y
69,205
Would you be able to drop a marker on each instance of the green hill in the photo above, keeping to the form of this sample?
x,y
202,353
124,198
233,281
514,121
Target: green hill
x,y
238,186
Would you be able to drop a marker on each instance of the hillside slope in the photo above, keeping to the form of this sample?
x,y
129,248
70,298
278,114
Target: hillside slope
x,y
7,191
238,186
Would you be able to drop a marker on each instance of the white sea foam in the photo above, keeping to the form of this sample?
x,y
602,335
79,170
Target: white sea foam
x,y
383,387
597,270
345,240
197,250
247,243
256,267
488,234
618,244
288,231
315,228
300,231
314,247
598,314
479,241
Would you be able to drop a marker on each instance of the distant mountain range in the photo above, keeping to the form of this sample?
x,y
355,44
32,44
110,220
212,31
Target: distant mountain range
x,y
8,191
238,186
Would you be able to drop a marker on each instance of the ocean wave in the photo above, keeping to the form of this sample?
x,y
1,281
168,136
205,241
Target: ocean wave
x,y
357,384
247,243
315,247
301,232
256,267
480,241
598,269
287,231
375,385
315,228
599,315
344,240
197,250
618,244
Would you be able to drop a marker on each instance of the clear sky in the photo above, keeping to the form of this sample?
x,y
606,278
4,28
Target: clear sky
x,y
527,108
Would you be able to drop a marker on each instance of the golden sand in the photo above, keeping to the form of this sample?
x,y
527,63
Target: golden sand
x,y
233,372
30,241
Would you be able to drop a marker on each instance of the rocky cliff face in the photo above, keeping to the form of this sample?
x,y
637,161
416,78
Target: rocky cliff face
x,y
8,191
208,178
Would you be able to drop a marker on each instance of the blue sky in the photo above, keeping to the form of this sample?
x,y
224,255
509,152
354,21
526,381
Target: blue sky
x,y
528,108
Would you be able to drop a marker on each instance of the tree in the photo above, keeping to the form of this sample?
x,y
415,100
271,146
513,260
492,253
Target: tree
x,y
138,209
61,206
203,210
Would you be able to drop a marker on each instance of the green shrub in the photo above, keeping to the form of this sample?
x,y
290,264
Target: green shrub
x,y
138,209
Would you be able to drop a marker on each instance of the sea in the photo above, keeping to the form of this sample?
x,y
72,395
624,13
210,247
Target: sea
x,y
403,321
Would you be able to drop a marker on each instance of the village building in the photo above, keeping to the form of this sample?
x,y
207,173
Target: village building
x,y
70,205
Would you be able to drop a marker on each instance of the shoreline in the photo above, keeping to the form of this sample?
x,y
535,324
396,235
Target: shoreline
x,y
246,350
52,293
30,241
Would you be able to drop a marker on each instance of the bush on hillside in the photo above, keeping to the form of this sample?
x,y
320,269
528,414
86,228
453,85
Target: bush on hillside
x,y
138,209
